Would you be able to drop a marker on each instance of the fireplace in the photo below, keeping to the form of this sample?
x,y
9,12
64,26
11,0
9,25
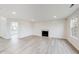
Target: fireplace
x,y
45,33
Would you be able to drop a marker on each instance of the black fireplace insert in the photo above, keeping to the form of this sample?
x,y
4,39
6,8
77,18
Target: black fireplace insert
x,y
45,33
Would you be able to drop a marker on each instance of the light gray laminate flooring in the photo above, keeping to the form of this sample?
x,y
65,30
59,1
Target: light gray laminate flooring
x,y
36,45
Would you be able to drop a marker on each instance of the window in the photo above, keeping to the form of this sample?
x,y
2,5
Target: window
x,y
14,32
14,26
74,27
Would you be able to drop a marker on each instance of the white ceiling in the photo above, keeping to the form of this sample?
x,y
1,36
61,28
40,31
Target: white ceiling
x,y
37,11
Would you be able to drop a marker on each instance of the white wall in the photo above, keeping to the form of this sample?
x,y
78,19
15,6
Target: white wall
x,y
73,40
3,27
26,28
55,28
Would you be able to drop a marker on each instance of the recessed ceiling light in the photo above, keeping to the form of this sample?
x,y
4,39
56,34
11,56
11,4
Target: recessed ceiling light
x,y
55,16
13,12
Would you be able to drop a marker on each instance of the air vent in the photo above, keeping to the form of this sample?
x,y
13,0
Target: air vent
x,y
72,5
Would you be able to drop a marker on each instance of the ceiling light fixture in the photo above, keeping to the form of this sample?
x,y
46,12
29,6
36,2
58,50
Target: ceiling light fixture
x,y
55,16
13,12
